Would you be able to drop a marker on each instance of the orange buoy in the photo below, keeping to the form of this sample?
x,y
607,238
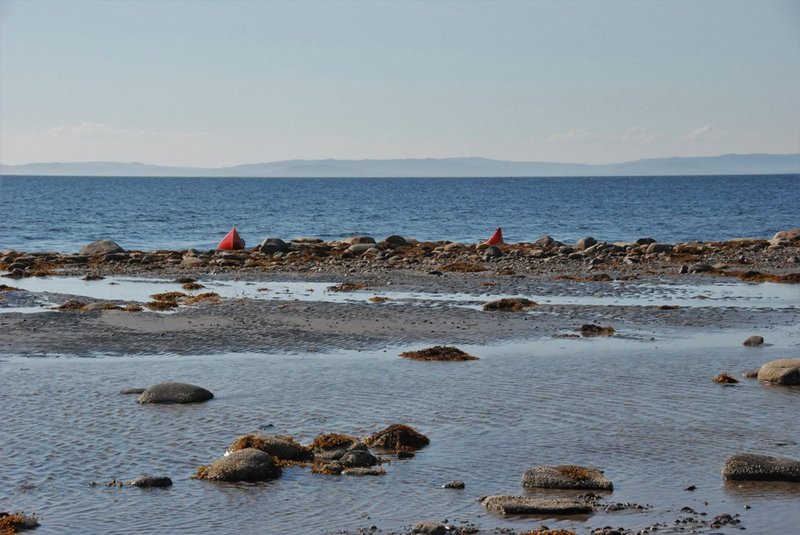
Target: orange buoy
x,y
231,241
496,239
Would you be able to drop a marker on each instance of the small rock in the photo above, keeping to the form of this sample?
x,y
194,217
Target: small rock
x,y
755,467
132,390
565,477
754,341
590,329
457,484
175,393
272,246
146,482
101,247
585,243
364,471
398,437
781,372
530,505
724,378
509,304
243,465
492,251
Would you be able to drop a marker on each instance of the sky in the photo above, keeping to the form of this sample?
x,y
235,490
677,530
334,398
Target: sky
x,y
217,83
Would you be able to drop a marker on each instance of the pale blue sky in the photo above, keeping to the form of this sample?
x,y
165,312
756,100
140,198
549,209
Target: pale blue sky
x,y
212,83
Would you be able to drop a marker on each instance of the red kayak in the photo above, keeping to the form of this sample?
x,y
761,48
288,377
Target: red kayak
x,y
231,241
496,239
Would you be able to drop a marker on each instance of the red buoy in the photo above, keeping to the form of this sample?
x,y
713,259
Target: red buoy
x,y
231,241
496,239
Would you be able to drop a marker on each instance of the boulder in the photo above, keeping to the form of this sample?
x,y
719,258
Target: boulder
x,y
755,467
785,236
781,372
397,437
361,248
509,304
657,248
456,484
430,528
566,476
492,251
545,241
333,446
147,482
530,505
272,246
754,341
101,247
645,241
357,458
359,239
283,447
439,353
248,464
584,243
175,393
395,241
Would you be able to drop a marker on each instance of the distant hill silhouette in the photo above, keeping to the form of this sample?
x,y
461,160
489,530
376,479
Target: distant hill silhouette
x,y
728,164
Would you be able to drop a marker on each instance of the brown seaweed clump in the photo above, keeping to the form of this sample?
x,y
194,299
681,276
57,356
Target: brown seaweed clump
x,y
544,530
6,288
509,304
590,329
70,306
285,450
161,305
726,379
169,296
16,522
192,286
379,299
331,441
397,437
207,296
463,267
440,353
347,287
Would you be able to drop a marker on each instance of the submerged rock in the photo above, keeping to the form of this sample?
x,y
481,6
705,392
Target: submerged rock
x,y
364,471
755,467
590,329
332,446
781,372
248,464
457,484
175,393
398,437
566,476
724,378
530,505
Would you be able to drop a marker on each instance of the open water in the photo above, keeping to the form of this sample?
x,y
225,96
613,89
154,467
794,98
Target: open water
x,y
64,213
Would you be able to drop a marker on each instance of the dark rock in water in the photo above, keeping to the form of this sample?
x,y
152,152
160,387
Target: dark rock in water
x,y
755,467
132,390
333,446
398,437
530,505
283,447
585,243
175,393
750,374
146,482
724,378
781,372
509,304
457,484
754,341
272,246
101,247
439,353
358,459
645,241
430,528
565,476
242,465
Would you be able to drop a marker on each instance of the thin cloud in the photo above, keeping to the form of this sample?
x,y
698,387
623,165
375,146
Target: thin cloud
x,y
632,135
577,134
90,129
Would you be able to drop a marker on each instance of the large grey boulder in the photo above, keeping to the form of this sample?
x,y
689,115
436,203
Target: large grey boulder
x,y
755,467
248,464
585,243
175,393
272,246
565,476
785,237
781,372
530,505
101,247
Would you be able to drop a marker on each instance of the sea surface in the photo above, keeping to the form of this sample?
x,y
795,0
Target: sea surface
x,y
64,213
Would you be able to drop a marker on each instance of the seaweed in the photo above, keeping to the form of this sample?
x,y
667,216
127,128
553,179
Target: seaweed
x,y
16,522
347,287
398,437
331,441
439,353
463,267
590,329
509,304
724,378
379,299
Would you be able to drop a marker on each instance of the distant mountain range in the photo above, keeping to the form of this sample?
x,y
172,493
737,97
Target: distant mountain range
x,y
728,164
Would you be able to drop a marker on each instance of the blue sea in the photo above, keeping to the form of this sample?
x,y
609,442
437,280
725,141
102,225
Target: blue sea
x,y
64,213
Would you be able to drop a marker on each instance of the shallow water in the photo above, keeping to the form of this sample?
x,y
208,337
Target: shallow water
x,y
628,293
646,413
